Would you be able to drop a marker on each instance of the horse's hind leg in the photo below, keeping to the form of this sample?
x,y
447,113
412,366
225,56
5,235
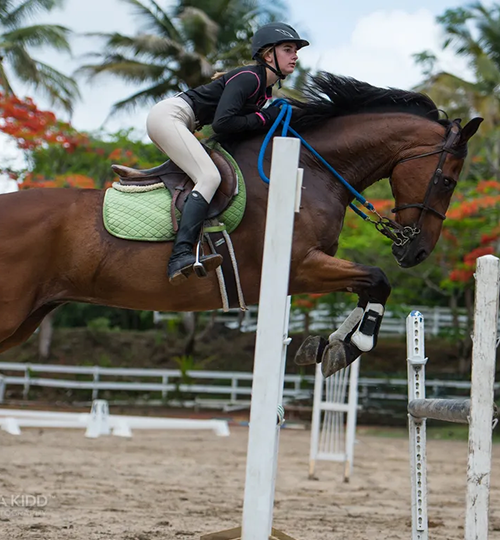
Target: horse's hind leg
x,y
26,327
359,332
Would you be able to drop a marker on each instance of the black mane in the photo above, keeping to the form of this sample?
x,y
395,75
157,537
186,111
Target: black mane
x,y
329,96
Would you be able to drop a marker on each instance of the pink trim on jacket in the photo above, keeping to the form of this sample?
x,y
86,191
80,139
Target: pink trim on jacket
x,y
247,71
261,116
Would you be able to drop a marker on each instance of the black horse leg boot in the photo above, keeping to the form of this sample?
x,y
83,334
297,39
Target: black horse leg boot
x,y
181,262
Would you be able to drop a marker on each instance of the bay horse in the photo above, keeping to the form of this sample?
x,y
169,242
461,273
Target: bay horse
x,y
55,249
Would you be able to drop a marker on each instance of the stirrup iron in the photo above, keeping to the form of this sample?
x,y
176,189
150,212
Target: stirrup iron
x,y
198,267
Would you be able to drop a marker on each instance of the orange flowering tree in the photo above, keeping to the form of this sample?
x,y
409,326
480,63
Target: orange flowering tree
x,y
58,155
472,230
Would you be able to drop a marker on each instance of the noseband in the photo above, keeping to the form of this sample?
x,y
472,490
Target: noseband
x,y
405,234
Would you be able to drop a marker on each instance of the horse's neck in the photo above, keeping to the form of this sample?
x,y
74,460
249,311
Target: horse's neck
x,y
364,148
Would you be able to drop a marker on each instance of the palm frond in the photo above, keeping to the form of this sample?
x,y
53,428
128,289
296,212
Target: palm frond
x,y
5,85
487,71
58,87
15,16
54,36
199,29
144,46
23,65
155,19
131,71
148,96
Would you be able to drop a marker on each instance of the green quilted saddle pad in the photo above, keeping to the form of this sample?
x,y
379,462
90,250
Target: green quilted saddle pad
x,y
146,216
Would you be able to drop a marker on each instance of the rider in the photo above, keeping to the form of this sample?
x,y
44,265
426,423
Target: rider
x,y
231,103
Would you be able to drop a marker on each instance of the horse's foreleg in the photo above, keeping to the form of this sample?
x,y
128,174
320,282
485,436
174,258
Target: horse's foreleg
x,y
359,332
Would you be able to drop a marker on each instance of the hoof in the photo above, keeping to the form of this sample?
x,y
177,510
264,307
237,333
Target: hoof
x,y
311,351
338,355
334,358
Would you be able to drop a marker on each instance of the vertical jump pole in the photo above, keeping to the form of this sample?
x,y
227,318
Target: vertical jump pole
x,y
415,346
484,343
272,340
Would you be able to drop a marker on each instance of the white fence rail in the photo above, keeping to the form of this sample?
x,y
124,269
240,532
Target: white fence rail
x,y
217,389
234,387
438,320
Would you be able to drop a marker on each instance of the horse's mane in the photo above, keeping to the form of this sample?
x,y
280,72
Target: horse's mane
x,y
330,96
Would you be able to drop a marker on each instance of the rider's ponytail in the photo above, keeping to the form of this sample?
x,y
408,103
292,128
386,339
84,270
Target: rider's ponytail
x,y
262,53
218,75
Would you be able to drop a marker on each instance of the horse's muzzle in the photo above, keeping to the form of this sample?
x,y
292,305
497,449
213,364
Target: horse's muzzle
x,y
409,254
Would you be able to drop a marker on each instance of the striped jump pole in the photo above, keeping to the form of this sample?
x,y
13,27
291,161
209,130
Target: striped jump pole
x,y
479,411
270,348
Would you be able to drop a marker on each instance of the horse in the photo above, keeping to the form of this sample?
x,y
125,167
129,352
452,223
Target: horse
x,y
54,247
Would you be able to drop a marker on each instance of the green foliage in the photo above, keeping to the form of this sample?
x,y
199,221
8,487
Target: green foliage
x,y
94,159
186,362
104,361
77,315
100,325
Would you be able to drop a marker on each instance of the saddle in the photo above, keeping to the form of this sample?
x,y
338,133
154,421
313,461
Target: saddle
x,y
180,184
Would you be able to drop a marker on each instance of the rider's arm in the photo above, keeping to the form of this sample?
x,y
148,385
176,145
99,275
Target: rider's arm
x,y
238,90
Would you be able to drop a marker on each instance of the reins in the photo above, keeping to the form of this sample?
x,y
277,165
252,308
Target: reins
x,y
394,231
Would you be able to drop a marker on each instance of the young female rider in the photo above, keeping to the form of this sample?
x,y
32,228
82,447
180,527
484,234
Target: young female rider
x,y
231,103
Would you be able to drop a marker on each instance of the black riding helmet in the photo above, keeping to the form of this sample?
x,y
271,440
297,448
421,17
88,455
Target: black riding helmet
x,y
274,34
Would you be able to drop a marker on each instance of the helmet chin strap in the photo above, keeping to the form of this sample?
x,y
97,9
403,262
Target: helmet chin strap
x,y
277,70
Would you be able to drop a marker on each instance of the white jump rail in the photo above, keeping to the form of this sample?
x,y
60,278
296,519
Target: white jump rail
x,y
332,434
9,418
478,412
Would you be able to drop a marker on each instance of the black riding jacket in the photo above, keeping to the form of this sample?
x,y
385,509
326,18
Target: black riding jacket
x,y
232,103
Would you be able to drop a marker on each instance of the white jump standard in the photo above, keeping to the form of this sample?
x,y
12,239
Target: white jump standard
x,y
270,348
478,411
330,440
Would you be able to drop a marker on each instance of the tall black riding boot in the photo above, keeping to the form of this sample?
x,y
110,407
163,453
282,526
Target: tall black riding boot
x,y
181,262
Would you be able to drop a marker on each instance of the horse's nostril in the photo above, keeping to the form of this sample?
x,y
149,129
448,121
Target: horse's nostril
x,y
421,256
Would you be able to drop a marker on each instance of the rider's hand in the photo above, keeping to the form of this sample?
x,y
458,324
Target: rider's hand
x,y
270,114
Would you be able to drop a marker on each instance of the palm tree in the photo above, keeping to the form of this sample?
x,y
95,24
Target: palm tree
x,y
179,50
473,33
16,42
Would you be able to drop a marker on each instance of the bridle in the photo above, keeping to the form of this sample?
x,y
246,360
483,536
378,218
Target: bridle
x,y
401,235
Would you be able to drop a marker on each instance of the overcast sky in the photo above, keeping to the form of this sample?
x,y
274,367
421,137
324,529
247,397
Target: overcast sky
x,y
372,40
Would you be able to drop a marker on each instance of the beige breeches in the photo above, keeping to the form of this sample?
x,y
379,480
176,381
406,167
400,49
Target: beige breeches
x,y
170,125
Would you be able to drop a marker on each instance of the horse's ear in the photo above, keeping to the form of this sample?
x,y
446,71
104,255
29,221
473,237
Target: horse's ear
x,y
470,129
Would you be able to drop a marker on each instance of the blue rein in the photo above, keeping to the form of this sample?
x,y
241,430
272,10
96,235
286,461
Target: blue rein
x,y
285,116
